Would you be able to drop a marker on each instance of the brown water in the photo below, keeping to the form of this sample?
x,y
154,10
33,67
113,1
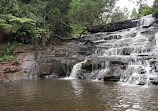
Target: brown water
x,y
76,95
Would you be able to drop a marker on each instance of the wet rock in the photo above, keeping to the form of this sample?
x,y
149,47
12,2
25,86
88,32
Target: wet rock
x,y
135,78
124,67
154,82
141,70
133,35
11,70
127,51
141,83
45,69
88,66
113,26
114,63
113,37
153,78
111,78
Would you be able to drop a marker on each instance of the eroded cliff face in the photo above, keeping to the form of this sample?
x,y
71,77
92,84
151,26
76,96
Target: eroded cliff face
x,y
56,61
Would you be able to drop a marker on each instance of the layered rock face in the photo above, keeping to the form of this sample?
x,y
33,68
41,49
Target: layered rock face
x,y
56,61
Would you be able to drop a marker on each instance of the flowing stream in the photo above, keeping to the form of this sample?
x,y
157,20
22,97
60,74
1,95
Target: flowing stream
x,y
76,69
129,54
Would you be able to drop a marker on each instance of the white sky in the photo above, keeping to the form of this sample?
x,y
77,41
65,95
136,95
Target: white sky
x,y
130,5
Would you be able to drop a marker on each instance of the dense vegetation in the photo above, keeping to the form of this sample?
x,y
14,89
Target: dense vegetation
x,y
144,10
37,22
89,12
43,22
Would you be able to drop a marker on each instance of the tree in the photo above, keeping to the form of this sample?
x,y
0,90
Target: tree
x,y
119,15
50,15
134,13
89,11
155,9
146,11
10,7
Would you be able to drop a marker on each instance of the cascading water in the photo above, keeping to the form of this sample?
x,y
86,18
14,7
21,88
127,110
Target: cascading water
x,y
76,70
147,20
128,54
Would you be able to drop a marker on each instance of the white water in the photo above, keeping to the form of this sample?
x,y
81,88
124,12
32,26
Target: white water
x,y
147,20
136,46
76,70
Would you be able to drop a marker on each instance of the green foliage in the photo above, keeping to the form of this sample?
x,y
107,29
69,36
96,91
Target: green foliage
x,y
8,57
6,27
17,29
87,11
1,60
146,11
155,8
40,21
119,15
57,19
2,21
134,13
13,19
7,50
77,28
10,47
22,18
10,7
42,36
13,22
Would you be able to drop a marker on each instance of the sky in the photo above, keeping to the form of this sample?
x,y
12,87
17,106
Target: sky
x,y
130,5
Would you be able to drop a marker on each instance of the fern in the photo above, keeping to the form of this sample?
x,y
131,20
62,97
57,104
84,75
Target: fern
x,y
2,21
7,28
11,18
22,20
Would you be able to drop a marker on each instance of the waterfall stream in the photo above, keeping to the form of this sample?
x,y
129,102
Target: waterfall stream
x,y
76,70
128,54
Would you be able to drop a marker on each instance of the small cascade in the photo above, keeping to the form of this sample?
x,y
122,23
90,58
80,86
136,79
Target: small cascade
x,y
100,74
76,70
137,73
147,20
130,55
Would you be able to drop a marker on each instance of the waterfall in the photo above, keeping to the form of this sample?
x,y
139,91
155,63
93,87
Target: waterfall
x,y
76,70
147,20
130,55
